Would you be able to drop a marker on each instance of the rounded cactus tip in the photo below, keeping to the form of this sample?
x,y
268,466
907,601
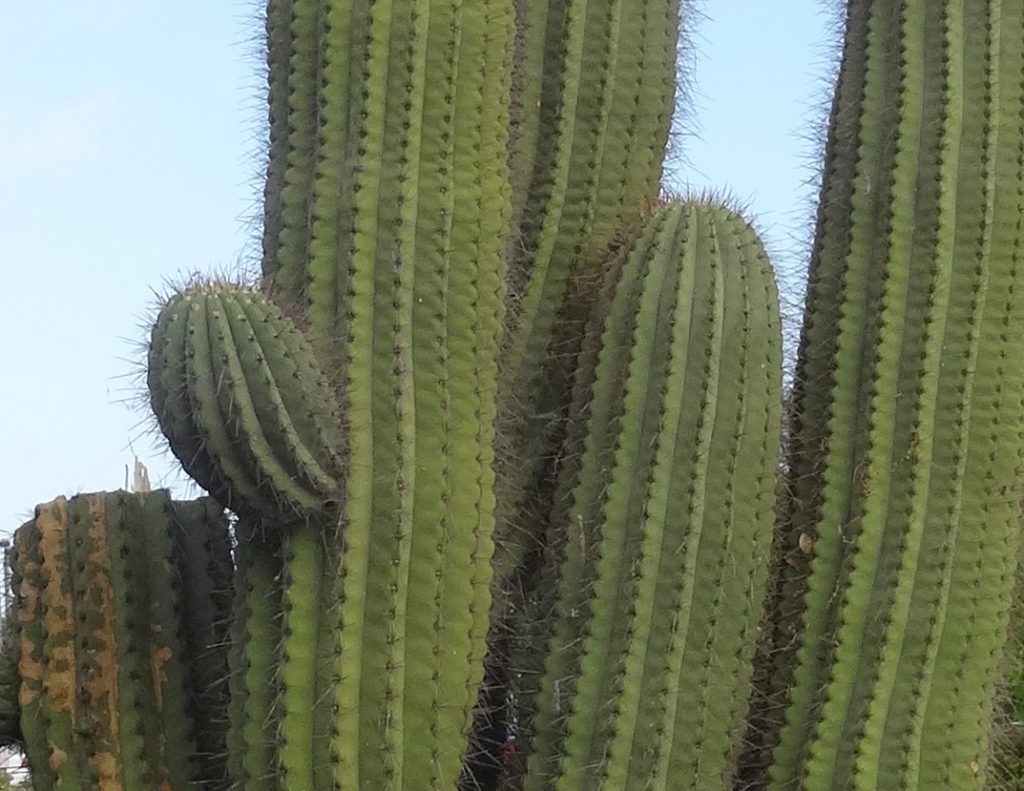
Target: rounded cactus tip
x,y
244,404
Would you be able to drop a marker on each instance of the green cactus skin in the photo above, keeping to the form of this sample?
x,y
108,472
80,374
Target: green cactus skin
x,y
903,527
107,641
670,516
236,390
595,93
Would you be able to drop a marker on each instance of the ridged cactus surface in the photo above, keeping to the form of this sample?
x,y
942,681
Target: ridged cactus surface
x,y
595,87
360,629
670,514
120,622
903,525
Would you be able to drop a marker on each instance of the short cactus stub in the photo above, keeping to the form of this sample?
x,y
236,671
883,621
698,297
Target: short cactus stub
x,y
244,404
666,538
115,654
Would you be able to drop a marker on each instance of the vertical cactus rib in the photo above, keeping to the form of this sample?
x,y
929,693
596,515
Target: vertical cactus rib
x,y
278,57
59,681
203,569
665,554
907,456
299,89
32,659
254,640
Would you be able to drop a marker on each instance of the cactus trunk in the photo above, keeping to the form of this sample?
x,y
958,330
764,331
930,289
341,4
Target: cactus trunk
x,y
902,527
387,203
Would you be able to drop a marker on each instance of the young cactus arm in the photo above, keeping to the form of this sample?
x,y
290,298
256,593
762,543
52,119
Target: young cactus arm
x,y
908,449
238,394
665,552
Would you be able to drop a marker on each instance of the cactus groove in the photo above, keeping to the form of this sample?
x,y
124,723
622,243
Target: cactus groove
x,y
670,518
111,648
907,441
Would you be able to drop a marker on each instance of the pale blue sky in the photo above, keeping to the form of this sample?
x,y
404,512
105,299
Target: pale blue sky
x,y
130,145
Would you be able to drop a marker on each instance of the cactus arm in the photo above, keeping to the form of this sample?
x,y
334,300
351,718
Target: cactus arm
x,y
682,415
620,568
417,293
603,119
108,705
264,435
706,632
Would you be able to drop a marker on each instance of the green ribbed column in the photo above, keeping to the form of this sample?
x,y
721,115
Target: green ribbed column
x,y
387,206
902,528
666,535
114,650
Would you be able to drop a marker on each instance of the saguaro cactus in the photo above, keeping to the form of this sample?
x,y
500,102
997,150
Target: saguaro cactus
x,y
903,521
670,513
120,623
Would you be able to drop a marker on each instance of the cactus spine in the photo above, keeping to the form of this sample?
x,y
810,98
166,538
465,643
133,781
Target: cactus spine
x,y
670,516
903,520
111,646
